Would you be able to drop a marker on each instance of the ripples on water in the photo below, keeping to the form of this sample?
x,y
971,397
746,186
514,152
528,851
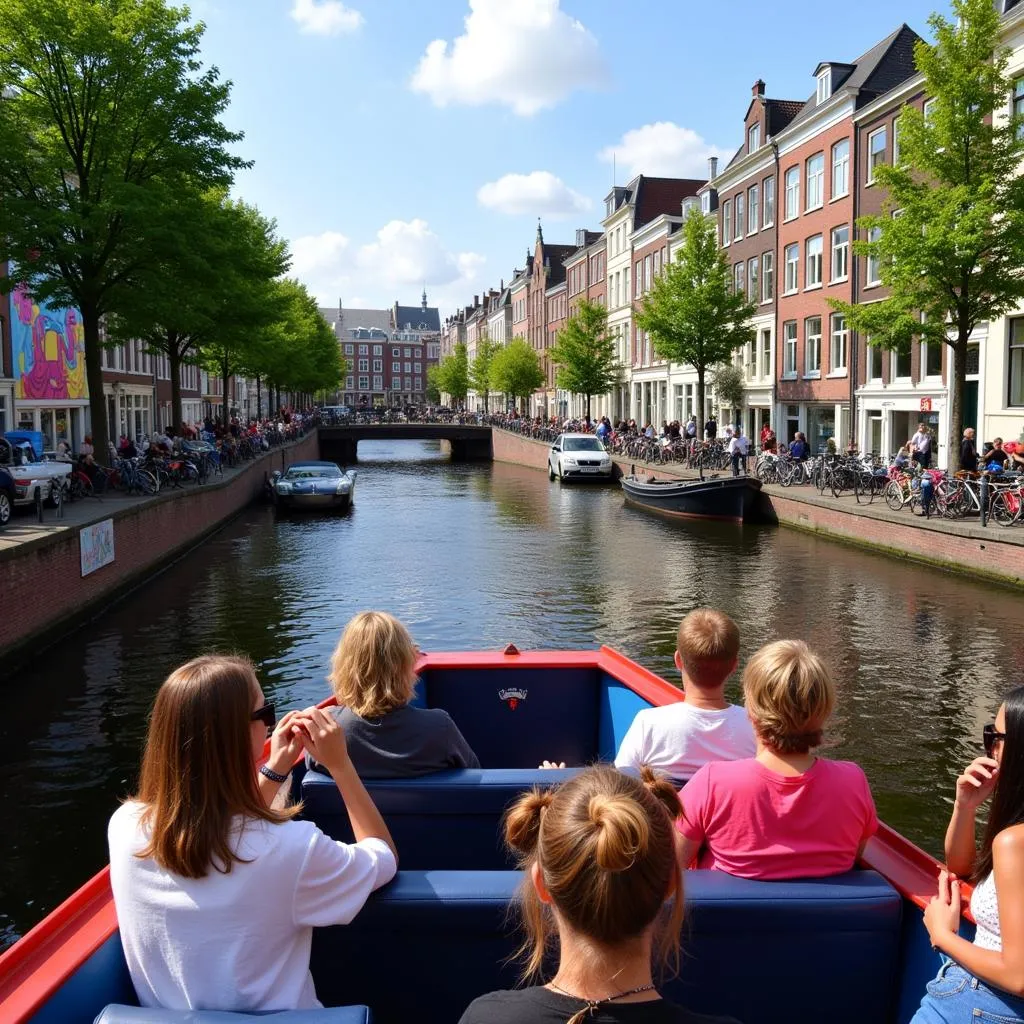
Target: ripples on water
x,y
475,557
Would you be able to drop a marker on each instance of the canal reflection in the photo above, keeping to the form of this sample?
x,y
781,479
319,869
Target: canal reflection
x,y
477,557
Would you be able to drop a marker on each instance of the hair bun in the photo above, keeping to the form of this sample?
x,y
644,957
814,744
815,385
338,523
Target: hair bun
x,y
662,790
623,831
522,821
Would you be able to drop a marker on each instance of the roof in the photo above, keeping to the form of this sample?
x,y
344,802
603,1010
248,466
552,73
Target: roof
x,y
344,320
778,114
654,196
556,255
584,240
417,318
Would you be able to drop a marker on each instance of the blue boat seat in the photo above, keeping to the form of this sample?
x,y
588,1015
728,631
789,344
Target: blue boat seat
x,y
763,952
449,820
116,1014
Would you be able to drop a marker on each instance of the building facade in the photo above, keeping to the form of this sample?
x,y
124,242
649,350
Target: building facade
x,y
547,272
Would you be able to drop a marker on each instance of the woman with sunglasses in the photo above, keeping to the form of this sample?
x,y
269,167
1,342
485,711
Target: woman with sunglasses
x,y
216,892
984,979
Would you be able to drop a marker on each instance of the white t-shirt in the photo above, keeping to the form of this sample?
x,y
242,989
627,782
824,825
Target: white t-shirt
x,y
240,940
677,739
738,443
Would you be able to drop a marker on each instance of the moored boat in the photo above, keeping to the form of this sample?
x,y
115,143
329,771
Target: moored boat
x,y
313,486
730,498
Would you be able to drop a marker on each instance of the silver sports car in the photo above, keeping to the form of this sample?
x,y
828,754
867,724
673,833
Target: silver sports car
x,y
313,485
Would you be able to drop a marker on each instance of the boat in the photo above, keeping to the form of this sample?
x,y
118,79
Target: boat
x,y
844,950
730,498
313,486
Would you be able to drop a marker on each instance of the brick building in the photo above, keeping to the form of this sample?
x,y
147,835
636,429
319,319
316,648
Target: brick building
x,y
547,272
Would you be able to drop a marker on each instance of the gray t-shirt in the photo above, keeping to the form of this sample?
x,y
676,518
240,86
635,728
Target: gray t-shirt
x,y
405,742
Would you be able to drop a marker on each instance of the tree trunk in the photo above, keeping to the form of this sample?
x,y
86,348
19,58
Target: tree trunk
x,y
174,368
258,398
956,404
701,414
99,428
588,408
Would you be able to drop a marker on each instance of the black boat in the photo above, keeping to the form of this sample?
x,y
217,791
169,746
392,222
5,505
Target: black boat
x,y
730,498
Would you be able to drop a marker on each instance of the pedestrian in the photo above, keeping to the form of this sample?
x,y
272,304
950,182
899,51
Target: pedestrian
x,y
710,429
921,446
969,452
691,426
738,451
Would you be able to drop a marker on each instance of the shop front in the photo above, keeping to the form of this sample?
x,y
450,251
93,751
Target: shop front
x,y
888,419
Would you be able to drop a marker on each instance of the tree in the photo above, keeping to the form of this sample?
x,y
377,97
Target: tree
x,y
728,382
480,370
106,112
452,376
584,353
692,312
949,243
516,370
433,392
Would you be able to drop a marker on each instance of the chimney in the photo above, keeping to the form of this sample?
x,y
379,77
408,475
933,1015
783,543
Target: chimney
x,y
476,301
712,168
758,89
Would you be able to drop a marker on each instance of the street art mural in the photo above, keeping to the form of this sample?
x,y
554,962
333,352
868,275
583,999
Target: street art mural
x,y
49,350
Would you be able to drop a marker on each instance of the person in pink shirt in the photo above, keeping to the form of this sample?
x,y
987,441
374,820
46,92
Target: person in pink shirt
x,y
785,813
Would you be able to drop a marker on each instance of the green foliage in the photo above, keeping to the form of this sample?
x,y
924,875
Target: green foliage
x,y
516,370
584,353
692,312
480,370
953,256
728,381
433,392
107,115
452,377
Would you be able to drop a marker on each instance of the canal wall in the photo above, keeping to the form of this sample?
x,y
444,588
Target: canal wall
x,y
42,590
993,553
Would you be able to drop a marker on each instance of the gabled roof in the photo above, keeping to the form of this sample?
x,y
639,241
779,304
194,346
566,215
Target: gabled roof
x,y
655,196
555,255
779,113
420,318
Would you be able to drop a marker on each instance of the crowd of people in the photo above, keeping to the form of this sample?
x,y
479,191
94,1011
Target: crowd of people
x,y
218,885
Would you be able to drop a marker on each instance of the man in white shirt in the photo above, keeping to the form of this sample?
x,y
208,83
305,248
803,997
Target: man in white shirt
x,y
738,452
677,739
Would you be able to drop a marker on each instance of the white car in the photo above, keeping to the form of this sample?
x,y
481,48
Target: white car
x,y
578,455
50,477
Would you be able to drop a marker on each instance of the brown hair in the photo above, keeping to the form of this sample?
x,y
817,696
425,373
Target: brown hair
x,y
372,666
789,695
708,644
197,770
605,846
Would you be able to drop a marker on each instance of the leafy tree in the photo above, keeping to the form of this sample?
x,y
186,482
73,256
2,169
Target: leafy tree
x,y
106,113
433,392
516,370
692,312
452,376
480,370
584,353
728,382
953,257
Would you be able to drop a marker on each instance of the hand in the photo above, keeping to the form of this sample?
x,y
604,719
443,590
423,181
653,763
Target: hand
x,y
975,786
551,764
942,915
323,738
285,744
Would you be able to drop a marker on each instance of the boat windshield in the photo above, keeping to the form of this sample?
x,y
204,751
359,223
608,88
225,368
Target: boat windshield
x,y
582,444
312,473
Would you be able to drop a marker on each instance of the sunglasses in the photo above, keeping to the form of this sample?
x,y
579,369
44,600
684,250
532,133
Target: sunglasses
x,y
990,737
266,714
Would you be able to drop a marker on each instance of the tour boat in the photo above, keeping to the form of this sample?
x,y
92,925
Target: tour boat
x,y
730,498
843,950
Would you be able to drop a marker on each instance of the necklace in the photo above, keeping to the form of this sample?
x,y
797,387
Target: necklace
x,y
593,1005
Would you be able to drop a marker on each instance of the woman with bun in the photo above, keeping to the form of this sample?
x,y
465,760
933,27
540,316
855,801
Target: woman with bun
x,y
599,854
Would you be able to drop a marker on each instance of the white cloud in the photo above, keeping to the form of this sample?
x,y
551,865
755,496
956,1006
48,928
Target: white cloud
x,y
404,257
662,149
325,17
539,193
524,54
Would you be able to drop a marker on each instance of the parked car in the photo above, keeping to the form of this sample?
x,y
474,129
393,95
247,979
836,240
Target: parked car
x,y
52,478
8,495
578,455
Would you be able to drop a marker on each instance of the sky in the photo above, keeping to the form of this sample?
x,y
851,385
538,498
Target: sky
x,y
403,144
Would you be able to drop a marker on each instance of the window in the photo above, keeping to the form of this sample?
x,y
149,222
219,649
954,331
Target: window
x,y
1018,104
931,358
769,202
647,273
792,265
638,279
396,367
739,216
705,202
766,352
753,282
812,346
350,383
792,192
727,222
396,352
364,383
408,353
753,138
1018,91
364,350
789,349
753,211
841,168
876,152
350,350
896,142
814,258
874,261
419,384
377,350
739,277
418,367
408,367
767,277
815,181
1015,391
824,89
408,383
378,365
874,361
378,383
838,347
901,365
364,365
841,253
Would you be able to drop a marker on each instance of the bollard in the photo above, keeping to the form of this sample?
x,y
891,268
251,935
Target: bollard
x,y
983,489
39,504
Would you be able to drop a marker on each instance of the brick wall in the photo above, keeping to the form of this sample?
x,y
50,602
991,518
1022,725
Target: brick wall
x,y
43,589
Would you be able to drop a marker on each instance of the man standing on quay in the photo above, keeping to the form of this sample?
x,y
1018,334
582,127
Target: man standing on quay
x,y
738,451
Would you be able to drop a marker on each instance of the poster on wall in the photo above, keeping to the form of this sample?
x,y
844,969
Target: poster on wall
x,y
96,544
48,348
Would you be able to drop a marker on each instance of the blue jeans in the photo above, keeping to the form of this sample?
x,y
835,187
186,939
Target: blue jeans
x,y
956,997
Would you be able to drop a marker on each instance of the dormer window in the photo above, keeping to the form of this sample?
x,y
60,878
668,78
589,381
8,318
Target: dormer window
x,y
753,138
824,85
705,202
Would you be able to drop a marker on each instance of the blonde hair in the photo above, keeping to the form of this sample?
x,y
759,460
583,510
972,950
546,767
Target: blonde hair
x,y
789,696
605,845
372,666
197,769
708,644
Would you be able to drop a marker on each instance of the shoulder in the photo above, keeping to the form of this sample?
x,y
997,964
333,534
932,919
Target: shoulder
x,y
1009,844
509,1006
124,822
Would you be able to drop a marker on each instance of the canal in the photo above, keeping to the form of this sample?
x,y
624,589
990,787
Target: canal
x,y
476,556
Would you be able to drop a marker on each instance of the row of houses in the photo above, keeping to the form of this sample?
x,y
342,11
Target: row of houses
x,y
786,205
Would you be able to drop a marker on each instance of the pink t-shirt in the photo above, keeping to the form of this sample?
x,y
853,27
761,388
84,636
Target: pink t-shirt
x,y
755,823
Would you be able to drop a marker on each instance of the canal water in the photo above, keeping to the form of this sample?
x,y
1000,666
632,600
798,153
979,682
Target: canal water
x,y
477,556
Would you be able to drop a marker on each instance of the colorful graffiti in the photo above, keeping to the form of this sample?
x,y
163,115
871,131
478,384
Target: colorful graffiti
x,y
49,350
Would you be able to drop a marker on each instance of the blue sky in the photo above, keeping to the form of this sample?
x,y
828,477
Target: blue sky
x,y
403,142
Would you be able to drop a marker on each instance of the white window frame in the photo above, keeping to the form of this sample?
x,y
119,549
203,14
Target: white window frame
x,y
768,201
815,197
824,87
1015,361
843,257
872,272
872,350
789,350
840,168
753,138
739,277
740,216
792,194
812,344
794,263
814,261
753,209
894,366
727,223
839,343
754,278
768,277
882,153
766,353
926,348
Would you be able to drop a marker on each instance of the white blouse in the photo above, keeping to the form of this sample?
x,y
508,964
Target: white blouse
x,y
985,908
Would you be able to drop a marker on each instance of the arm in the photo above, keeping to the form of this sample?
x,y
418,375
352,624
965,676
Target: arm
x,y
973,788
631,750
462,752
285,747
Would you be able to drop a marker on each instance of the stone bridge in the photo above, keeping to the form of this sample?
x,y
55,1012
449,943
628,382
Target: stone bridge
x,y
465,443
